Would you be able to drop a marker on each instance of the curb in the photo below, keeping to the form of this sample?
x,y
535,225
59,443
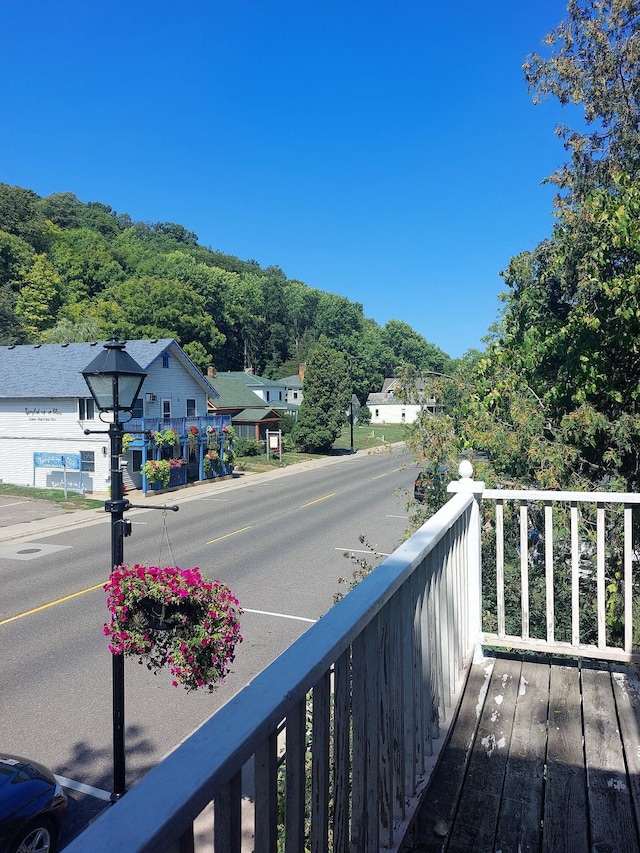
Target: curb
x,y
87,517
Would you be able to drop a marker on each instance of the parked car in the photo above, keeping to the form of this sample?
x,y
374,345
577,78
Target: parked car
x,y
419,487
31,802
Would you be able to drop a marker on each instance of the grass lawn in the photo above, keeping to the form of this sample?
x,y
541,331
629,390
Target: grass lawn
x,y
72,500
365,437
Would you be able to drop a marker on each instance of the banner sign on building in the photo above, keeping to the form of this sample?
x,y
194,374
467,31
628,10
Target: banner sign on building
x,y
70,461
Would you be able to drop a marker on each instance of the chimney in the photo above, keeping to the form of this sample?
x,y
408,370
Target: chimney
x,y
301,370
211,371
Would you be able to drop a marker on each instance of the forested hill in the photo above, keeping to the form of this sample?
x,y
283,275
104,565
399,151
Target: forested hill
x,y
71,271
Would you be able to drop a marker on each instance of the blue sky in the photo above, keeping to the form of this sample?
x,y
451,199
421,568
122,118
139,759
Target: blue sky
x,y
385,151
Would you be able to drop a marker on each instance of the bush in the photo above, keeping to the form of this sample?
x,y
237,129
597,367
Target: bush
x,y
247,447
363,415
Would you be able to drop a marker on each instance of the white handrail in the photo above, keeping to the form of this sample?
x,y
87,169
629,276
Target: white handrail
x,y
395,650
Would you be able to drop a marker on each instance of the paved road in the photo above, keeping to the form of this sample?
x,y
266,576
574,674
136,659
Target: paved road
x,y
278,540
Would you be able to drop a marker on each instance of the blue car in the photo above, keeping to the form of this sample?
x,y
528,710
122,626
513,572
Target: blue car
x,y
31,802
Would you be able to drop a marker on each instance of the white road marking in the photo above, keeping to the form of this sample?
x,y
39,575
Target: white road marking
x,y
356,551
82,788
280,615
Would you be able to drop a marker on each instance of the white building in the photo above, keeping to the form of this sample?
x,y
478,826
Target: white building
x,y
45,407
386,407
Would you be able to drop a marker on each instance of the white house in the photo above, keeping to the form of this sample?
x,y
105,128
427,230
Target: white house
x,y
386,407
45,407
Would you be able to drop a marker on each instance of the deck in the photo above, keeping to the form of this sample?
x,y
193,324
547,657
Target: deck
x,y
544,756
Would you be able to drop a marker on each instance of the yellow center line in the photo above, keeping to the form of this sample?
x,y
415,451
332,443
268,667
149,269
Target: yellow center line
x,y
51,604
394,471
226,535
317,500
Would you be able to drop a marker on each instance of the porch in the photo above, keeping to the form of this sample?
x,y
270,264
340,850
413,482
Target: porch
x,y
543,756
333,745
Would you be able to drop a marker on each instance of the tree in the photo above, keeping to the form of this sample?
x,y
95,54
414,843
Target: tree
x,y
40,296
594,62
326,399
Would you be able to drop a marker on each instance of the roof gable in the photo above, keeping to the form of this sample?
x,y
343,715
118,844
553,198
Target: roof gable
x,y
55,370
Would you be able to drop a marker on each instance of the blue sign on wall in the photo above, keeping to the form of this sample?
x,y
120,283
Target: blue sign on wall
x,y
70,461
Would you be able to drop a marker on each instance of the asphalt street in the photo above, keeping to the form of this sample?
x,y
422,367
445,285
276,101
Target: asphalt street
x,y
278,540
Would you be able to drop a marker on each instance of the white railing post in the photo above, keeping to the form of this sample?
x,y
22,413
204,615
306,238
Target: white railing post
x,y
474,553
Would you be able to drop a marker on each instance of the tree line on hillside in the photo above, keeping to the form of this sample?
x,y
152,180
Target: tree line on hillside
x,y
71,271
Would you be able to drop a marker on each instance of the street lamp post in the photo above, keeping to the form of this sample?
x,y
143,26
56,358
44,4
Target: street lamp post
x,y
114,379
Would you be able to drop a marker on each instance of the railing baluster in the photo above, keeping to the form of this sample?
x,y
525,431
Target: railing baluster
x,y
385,729
600,568
296,737
359,760
227,822
409,687
500,568
320,731
342,753
266,804
372,692
575,577
524,569
628,578
548,570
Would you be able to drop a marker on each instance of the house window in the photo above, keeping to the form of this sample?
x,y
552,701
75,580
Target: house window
x,y
138,409
279,395
191,408
136,460
86,409
166,409
87,460
267,396
295,395
165,359
377,413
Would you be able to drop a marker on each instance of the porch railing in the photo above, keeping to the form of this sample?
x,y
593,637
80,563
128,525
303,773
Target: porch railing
x,y
563,571
180,426
340,731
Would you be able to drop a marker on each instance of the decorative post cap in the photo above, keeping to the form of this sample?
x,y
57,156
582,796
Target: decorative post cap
x,y
465,470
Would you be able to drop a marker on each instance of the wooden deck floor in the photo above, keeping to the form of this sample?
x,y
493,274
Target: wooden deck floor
x,y
544,757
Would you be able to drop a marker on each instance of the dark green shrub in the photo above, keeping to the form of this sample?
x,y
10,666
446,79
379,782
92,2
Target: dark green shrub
x,y
247,447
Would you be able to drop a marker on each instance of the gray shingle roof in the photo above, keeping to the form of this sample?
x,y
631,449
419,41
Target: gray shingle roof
x,y
54,370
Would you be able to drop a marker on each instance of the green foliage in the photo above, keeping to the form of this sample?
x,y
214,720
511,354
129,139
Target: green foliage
x,y
71,271
364,415
326,399
247,447
157,471
593,61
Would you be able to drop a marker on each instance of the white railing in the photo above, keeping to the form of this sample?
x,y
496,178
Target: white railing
x,y
562,578
340,732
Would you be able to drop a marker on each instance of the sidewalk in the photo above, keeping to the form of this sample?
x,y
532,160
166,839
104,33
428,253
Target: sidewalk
x,y
51,518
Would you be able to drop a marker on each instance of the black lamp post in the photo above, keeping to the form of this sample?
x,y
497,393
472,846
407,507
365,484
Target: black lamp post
x,y
115,379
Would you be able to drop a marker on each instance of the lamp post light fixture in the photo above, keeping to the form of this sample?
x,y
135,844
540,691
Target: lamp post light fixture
x,y
114,379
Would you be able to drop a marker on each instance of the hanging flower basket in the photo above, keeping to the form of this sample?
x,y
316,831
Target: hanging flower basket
x,y
173,617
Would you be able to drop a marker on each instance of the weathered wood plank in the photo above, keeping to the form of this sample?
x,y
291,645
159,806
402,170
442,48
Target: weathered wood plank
x,y
626,691
519,824
482,789
564,820
610,808
441,799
